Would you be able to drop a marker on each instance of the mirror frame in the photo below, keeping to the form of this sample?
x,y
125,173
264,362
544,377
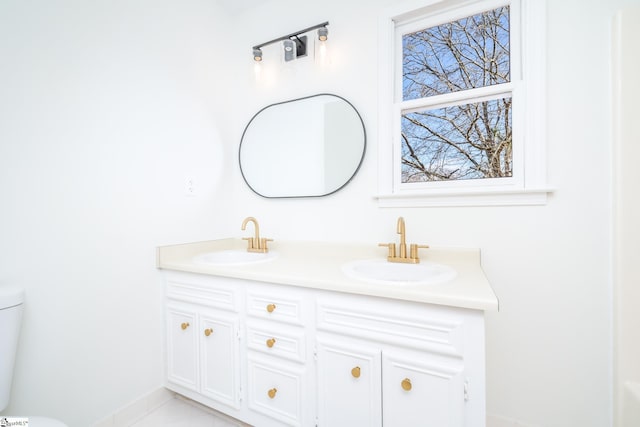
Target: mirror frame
x,y
364,146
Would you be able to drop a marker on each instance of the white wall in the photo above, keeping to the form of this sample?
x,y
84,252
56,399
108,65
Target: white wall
x,y
107,106
549,347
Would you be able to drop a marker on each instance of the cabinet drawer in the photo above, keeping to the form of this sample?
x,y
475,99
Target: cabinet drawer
x,y
274,339
420,326
276,391
276,306
209,291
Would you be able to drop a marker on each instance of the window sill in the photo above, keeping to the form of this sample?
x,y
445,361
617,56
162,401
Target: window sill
x,y
449,198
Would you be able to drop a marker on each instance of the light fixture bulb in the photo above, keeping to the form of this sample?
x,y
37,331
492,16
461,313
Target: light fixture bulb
x,y
257,55
288,46
323,34
289,50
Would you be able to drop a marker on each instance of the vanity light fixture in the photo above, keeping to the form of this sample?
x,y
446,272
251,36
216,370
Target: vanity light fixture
x,y
294,44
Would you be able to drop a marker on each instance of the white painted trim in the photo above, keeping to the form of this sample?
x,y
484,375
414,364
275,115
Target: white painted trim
x,y
534,69
498,421
138,409
630,414
625,276
469,197
456,98
386,159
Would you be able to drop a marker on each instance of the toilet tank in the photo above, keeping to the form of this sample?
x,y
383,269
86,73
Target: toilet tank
x,y
11,305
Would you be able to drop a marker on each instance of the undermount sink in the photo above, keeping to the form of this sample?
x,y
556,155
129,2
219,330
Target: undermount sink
x,y
380,271
234,257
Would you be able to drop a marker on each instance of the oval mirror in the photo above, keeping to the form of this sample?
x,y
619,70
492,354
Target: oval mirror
x,y
307,147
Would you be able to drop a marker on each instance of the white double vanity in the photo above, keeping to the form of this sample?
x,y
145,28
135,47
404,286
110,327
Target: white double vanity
x,y
321,334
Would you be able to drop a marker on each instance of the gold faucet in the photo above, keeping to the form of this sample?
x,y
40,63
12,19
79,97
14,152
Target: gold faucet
x,y
413,248
257,243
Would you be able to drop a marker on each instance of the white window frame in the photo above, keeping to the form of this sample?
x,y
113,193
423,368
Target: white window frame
x,y
527,86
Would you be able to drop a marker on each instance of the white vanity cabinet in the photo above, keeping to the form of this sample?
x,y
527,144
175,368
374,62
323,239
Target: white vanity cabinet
x,y
276,355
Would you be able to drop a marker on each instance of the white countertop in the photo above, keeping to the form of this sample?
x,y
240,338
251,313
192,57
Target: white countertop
x,y
318,265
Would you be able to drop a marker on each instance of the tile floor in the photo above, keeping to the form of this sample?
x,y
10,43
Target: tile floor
x,y
180,412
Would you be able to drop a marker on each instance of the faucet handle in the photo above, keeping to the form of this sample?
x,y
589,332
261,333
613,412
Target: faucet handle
x,y
262,244
413,250
392,249
250,242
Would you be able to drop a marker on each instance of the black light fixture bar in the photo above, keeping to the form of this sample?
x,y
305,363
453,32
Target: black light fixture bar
x,y
290,36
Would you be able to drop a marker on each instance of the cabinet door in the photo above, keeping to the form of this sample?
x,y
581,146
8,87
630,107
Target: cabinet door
x,y
182,362
220,370
422,390
349,384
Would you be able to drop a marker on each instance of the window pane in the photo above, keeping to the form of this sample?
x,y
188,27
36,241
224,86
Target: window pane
x,y
465,54
468,141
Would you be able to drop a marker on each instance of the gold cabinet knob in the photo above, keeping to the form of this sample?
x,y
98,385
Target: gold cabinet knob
x,y
208,331
184,325
271,307
406,384
271,342
355,372
272,393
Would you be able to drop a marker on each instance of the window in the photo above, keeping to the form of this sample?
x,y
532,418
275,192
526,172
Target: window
x,y
462,90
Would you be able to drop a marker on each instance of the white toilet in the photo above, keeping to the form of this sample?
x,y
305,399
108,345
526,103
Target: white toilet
x,y
11,306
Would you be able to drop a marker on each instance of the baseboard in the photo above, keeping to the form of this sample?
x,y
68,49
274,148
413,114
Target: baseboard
x,y
134,411
498,421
